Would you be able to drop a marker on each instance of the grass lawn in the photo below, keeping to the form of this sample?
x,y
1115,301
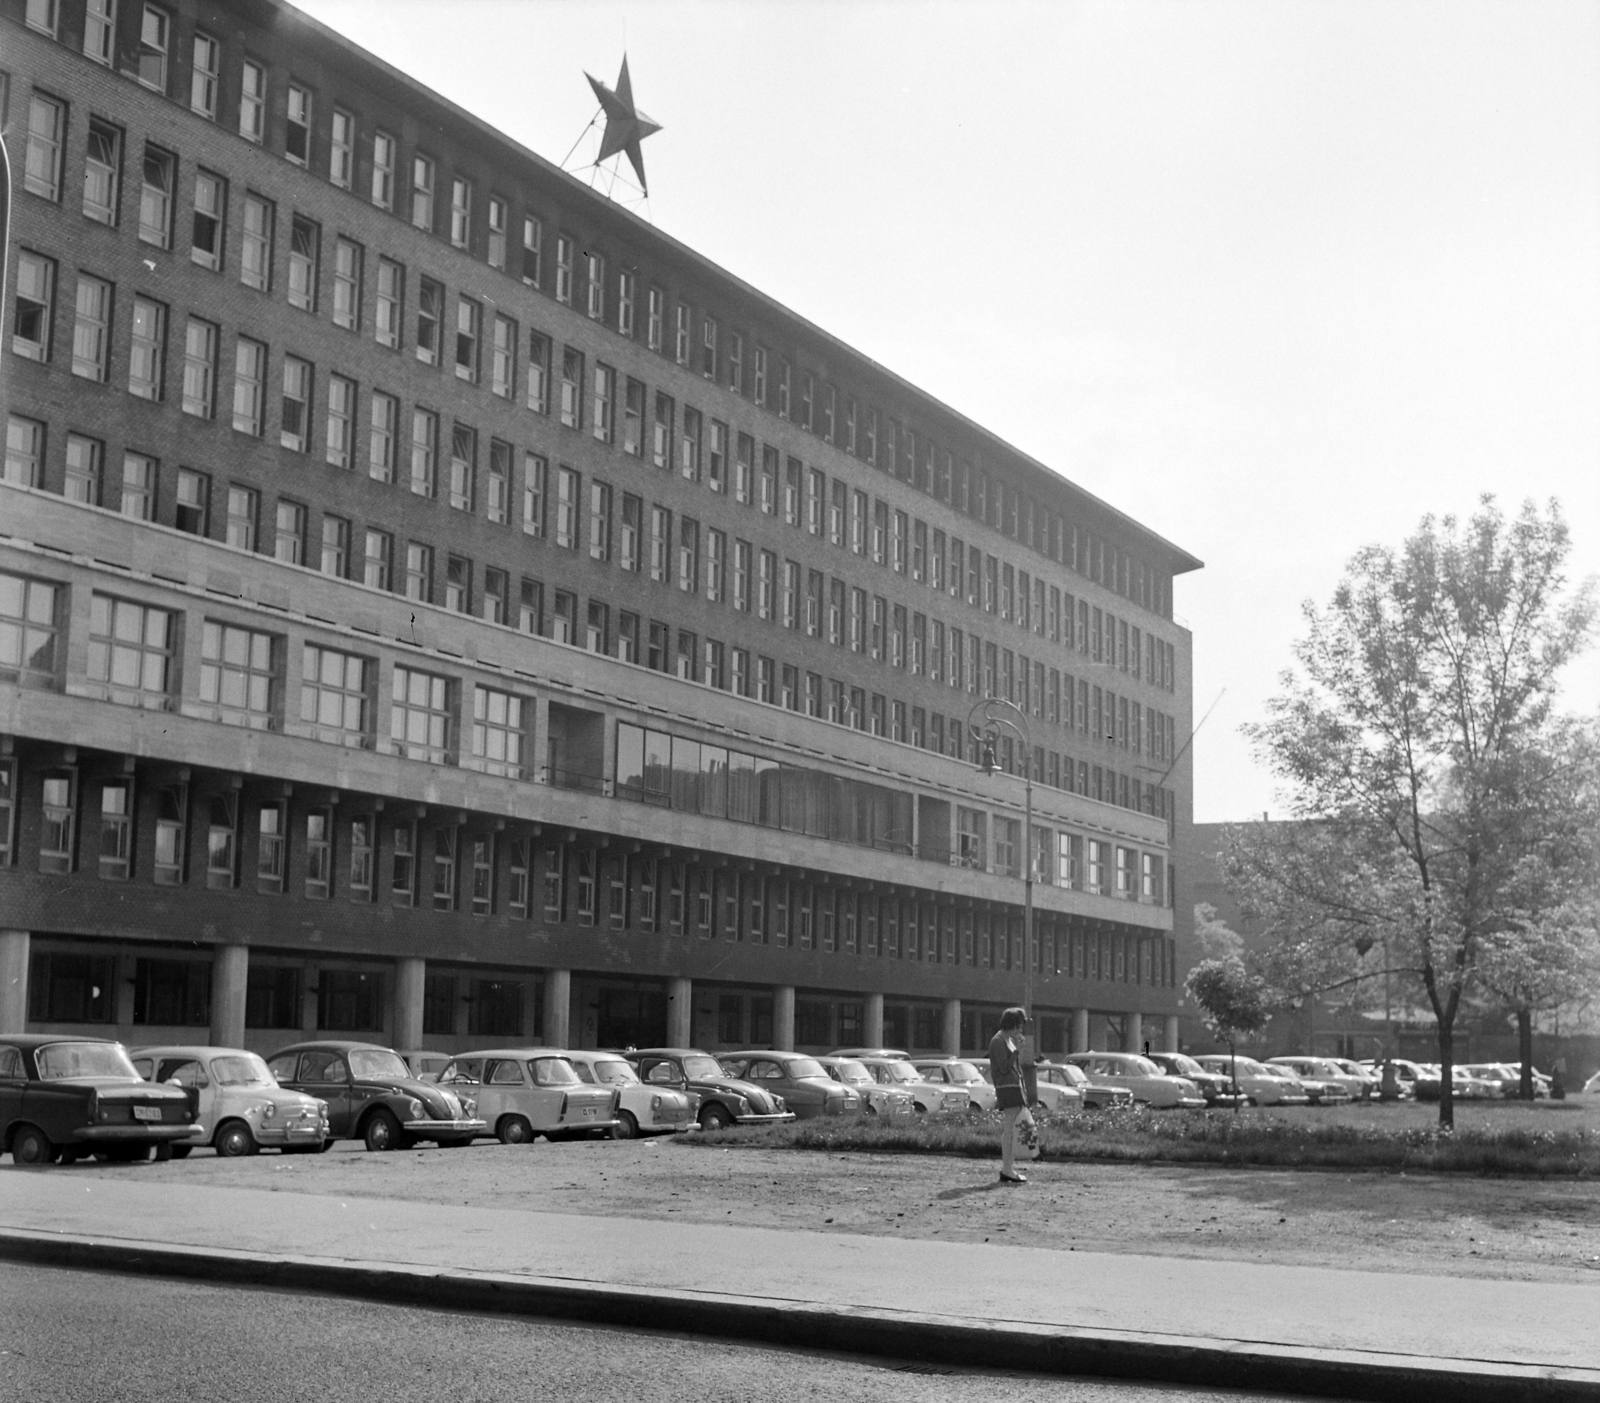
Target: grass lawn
x,y
1494,1137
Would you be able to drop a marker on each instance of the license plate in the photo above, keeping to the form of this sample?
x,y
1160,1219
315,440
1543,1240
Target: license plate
x,y
591,1111
147,1112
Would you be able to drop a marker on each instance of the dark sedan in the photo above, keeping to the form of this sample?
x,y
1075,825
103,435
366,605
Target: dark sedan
x,y
724,1100
802,1081
1214,1086
64,1097
372,1095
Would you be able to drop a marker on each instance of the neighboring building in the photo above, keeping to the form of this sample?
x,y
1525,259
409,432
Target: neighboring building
x,y
436,605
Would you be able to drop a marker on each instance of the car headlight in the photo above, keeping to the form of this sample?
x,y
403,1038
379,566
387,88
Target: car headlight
x,y
418,1111
469,1107
322,1110
655,1105
268,1109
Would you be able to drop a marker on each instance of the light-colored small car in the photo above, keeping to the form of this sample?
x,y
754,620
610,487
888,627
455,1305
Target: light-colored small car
x,y
642,1110
1368,1078
1318,1092
1327,1073
876,1100
1148,1083
1255,1082
1057,1093
241,1106
958,1071
1096,1095
425,1065
928,1097
526,1091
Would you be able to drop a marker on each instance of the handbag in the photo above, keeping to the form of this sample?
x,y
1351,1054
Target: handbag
x,y
1028,1146
1009,1097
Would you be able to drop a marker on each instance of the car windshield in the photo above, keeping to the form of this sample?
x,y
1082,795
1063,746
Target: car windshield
x,y
701,1067
1068,1075
614,1072
1184,1066
901,1071
60,1060
375,1063
1141,1067
806,1067
241,1069
852,1071
553,1071
962,1073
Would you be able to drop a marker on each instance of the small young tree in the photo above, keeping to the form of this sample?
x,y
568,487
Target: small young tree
x,y
1232,1003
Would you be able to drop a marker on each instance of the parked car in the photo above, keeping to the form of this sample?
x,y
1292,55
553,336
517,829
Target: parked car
x,y
241,1106
1328,1075
1097,1095
1592,1086
870,1052
1055,1096
875,1100
372,1096
1541,1080
425,1065
1258,1086
1148,1083
1214,1086
802,1081
962,1072
1317,1092
521,1092
642,1110
724,1100
1465,1086
1369,1078
928,1097
65,1097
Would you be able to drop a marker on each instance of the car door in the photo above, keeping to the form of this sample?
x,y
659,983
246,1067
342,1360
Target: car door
x,y
188,1071
503,1090
13,1077
325,1075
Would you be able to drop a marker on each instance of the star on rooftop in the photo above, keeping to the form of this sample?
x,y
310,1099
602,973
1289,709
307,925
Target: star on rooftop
x,y
626,126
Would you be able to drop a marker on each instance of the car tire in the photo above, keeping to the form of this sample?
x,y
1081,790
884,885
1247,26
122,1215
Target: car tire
x,y
514,1130
30,1146
715,1117
382,1131
626,1128
233,1140
181,1151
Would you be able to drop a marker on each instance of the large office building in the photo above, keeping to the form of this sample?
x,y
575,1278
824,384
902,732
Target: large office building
x,y
436,606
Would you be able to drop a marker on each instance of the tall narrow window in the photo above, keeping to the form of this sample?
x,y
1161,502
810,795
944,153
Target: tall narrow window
x,y
35,306
243,507
83,479
503,367
497,232
99,30
319,854
384,418
532,250
203,76
138,485
47,123
154,30
497,497
469,326
571,387
463,466
249,381
430,309
535,472
655,318
538,373
424,451
460,212
102,167
342,150
255,259
422,177
383,161
347,284
377,560
595,285
271,847
155,196
252,101
91,331
563,269
210,217
289,542
116,829
192,508
304,240
390,304
602,420
295,429
297,125
147,357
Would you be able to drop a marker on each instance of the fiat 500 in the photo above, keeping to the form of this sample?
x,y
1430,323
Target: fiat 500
x,y
526,1091
643,1110
64,1097
372,1096
876,1100
242,1107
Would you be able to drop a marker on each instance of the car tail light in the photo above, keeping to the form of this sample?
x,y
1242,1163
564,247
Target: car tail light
x,y
563,1114
616,1103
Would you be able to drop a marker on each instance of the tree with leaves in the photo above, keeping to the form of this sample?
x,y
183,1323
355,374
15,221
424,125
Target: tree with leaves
x,y
1421,703
1232,1004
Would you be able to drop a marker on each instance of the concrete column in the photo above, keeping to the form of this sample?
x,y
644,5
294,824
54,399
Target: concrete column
x,y
1133,1033
557,1007
783,1017
308,999
680,1013
951,1042
1170,1040
1080,1030
14,945
230,977
410,976
872,1021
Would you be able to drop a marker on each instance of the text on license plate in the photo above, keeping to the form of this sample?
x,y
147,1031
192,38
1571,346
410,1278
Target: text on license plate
x,y
147,1112
591,1111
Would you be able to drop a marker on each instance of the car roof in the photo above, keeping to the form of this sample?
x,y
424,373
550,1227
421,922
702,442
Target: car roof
x,y
668,1052
332,1045
188,1050
517,1054
896,1052
29,1041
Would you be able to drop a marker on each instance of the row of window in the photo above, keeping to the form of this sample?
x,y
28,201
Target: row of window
x,y
695,343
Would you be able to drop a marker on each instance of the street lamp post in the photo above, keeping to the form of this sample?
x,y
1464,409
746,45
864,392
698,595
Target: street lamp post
x,y
986,722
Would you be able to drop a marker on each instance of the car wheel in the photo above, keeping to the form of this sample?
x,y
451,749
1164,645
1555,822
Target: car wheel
x,y
626,1128
715,1117
514,1130
234,1140
31,1146
181,1151
382,1131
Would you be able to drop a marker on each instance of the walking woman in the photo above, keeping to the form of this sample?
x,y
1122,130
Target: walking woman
x,y
1005,1061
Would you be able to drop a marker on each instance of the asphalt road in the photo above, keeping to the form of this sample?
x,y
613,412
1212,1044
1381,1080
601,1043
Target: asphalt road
x,y
71,1335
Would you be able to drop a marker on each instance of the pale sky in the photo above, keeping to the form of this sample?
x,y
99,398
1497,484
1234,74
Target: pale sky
x,y
1275,279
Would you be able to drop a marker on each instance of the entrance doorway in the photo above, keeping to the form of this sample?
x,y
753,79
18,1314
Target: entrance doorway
x,y
631,1017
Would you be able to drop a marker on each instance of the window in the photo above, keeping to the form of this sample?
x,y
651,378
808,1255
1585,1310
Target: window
x,y
689,459
458,584
497,734
420,716
599,521
660,544
359,880
47,123
147,357
717,456
708,348
403,875
604,403
99,30
249,376
210,212
535,473
595,285
130,652
101,169
469,324
655,318
203,76
91,330
538,373
532,251
28,637
83,473
335,556
297,128
243,506
252,101
627,284
568,487
271,847
222,841
497,505
497,232
384,418
633,418
304,240
688,555
289,542
377,560
296,422
57,821
192,510
340,452
383,159
238,679
563,269
503,366
347,284
463,466
154,28
389,307
422,174
492,605
342,150
571,387
319,854
424,451
35,303
716,564
661,434
138,486
255,256
419,572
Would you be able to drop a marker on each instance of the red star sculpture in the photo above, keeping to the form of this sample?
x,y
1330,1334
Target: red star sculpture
x,y
626,126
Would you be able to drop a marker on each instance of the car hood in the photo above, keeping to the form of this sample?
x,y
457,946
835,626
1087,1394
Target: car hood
x,y
433,1097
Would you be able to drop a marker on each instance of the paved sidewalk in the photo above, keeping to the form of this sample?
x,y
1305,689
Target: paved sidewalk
x,y
1357,1334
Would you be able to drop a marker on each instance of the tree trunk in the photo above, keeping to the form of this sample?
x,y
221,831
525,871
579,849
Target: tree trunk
x,y
1525,1052
1233,1076
1447,1090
